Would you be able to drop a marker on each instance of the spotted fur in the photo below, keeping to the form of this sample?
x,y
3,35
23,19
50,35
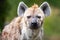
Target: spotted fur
x,y
19,28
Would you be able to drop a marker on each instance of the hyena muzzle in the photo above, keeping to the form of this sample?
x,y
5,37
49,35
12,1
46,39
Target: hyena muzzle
x,y
30,21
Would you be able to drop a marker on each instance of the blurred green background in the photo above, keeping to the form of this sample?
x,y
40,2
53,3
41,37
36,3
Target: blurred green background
x,y
8,11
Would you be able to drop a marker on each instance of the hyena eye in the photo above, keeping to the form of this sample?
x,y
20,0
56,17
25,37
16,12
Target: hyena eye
x,y
28,17
38,17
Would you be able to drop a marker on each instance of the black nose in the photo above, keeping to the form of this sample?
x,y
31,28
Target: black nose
x,y
34,25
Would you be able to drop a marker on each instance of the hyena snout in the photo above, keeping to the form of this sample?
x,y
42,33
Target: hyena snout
x,y
34,24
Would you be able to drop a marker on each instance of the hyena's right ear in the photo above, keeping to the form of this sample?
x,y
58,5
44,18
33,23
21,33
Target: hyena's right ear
x,y
46,8
21,8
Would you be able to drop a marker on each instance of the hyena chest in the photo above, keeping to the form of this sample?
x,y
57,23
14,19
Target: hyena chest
x,y
31,38
37,35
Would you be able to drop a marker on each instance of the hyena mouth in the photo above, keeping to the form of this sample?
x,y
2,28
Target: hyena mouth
x,y
34,26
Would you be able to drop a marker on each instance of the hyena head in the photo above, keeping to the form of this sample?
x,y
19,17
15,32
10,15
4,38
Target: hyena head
x,y
33,17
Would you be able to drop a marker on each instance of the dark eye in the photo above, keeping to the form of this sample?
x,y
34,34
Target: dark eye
x,y
28,16
38,16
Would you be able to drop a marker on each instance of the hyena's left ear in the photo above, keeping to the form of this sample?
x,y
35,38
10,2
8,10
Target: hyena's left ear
x,y
21,8
45,8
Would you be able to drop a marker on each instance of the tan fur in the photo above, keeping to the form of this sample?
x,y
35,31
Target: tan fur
x,y
34,7
12,30
32,11
21,27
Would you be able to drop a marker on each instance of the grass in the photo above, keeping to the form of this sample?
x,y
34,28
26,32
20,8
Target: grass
x,y
52,25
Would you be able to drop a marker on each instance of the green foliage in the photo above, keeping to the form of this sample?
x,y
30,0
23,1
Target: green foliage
x,y
4,6
55,3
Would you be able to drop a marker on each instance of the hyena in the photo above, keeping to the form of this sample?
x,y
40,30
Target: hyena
x,y
28,24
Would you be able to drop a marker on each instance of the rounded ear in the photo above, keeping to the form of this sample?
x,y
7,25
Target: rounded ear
x,y
21,8
45,8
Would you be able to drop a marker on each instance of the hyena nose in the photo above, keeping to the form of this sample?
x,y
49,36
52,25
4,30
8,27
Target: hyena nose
x,y
34,24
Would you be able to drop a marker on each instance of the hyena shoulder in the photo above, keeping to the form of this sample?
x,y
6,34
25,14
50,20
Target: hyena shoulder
x,y
12,30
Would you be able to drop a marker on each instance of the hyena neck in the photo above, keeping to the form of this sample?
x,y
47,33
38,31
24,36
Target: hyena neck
x,y
29,34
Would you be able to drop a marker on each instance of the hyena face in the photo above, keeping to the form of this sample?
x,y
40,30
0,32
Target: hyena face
x,y
33,16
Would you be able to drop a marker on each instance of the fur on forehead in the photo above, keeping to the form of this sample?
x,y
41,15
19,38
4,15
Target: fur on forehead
x,y
33,9
35,6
